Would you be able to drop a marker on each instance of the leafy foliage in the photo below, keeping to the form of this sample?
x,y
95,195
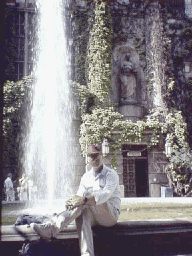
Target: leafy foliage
x,y
107,123
15,106
99,52
101,120
179,169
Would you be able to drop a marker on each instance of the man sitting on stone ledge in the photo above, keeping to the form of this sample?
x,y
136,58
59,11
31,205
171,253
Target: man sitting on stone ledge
x,y
97,202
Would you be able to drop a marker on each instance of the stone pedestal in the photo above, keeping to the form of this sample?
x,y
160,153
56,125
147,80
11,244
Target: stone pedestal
x,y
155,190
131,112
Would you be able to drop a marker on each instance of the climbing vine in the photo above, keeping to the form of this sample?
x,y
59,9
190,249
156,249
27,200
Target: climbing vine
x,y
100,120
16,103
109,124
99,53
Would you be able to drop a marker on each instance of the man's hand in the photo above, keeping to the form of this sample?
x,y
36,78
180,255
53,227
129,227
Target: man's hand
x,y
90,200
74,201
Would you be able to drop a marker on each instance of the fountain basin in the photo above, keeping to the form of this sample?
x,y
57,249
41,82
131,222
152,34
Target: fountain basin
x,y
124,228
154,236
157,237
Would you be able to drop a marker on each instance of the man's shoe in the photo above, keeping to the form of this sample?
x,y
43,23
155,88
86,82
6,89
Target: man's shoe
x,y
46,230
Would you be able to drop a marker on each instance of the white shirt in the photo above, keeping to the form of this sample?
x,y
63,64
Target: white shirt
x,y
104,186
8,184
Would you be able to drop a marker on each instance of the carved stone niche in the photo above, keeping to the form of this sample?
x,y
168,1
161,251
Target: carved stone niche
x,y
128,84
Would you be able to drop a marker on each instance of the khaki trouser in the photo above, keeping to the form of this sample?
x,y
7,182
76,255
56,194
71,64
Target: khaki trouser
x,y
86,217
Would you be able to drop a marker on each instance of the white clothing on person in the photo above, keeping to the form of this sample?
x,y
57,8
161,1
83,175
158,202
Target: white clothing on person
x,y
10,193
23,191
30,189
105,188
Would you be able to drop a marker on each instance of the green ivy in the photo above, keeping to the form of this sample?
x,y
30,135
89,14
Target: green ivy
x,y
99,53
15,105
107,123
14,95
100,120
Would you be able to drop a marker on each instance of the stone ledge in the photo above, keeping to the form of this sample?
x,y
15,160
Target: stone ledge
x,y
127,228
145,227
21,232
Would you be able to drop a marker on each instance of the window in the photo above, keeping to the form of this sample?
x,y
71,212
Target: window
x,y
25,42
188,8
187,67
20,1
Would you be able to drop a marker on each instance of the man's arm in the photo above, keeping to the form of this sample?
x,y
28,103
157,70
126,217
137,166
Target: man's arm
x,y
79,198
90,200
103,194
75,201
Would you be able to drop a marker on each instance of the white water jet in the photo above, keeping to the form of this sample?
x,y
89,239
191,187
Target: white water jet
x,y
49,153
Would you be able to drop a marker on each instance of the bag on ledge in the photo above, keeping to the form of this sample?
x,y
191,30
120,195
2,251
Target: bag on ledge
x,y
40,247
25,219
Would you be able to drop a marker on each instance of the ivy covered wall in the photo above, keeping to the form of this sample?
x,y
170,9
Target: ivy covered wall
x,y
155,33
130,22
16,104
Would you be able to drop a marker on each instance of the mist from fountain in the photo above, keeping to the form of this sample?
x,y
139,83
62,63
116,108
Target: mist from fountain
x,y
49,159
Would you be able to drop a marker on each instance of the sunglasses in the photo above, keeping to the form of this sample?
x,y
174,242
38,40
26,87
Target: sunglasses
x,y
94,156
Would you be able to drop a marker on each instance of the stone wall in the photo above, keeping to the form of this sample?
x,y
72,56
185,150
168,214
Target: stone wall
x,y
132,28
147,33
156,171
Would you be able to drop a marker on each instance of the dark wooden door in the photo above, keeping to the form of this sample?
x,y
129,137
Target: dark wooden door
x,y
141,177
135,177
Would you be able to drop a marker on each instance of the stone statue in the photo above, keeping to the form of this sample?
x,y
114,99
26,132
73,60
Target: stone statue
x,y
128,82
127,78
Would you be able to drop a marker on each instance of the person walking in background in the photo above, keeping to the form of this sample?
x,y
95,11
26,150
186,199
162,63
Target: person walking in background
x,y
97,202
23,190
9,190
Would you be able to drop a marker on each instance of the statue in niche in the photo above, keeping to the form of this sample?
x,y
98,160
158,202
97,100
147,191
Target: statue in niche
x,y
128,83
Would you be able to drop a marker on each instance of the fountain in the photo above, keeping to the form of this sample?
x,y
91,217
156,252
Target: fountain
x,y
49,152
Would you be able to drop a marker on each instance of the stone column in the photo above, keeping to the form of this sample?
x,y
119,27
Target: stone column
x,y
155,53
